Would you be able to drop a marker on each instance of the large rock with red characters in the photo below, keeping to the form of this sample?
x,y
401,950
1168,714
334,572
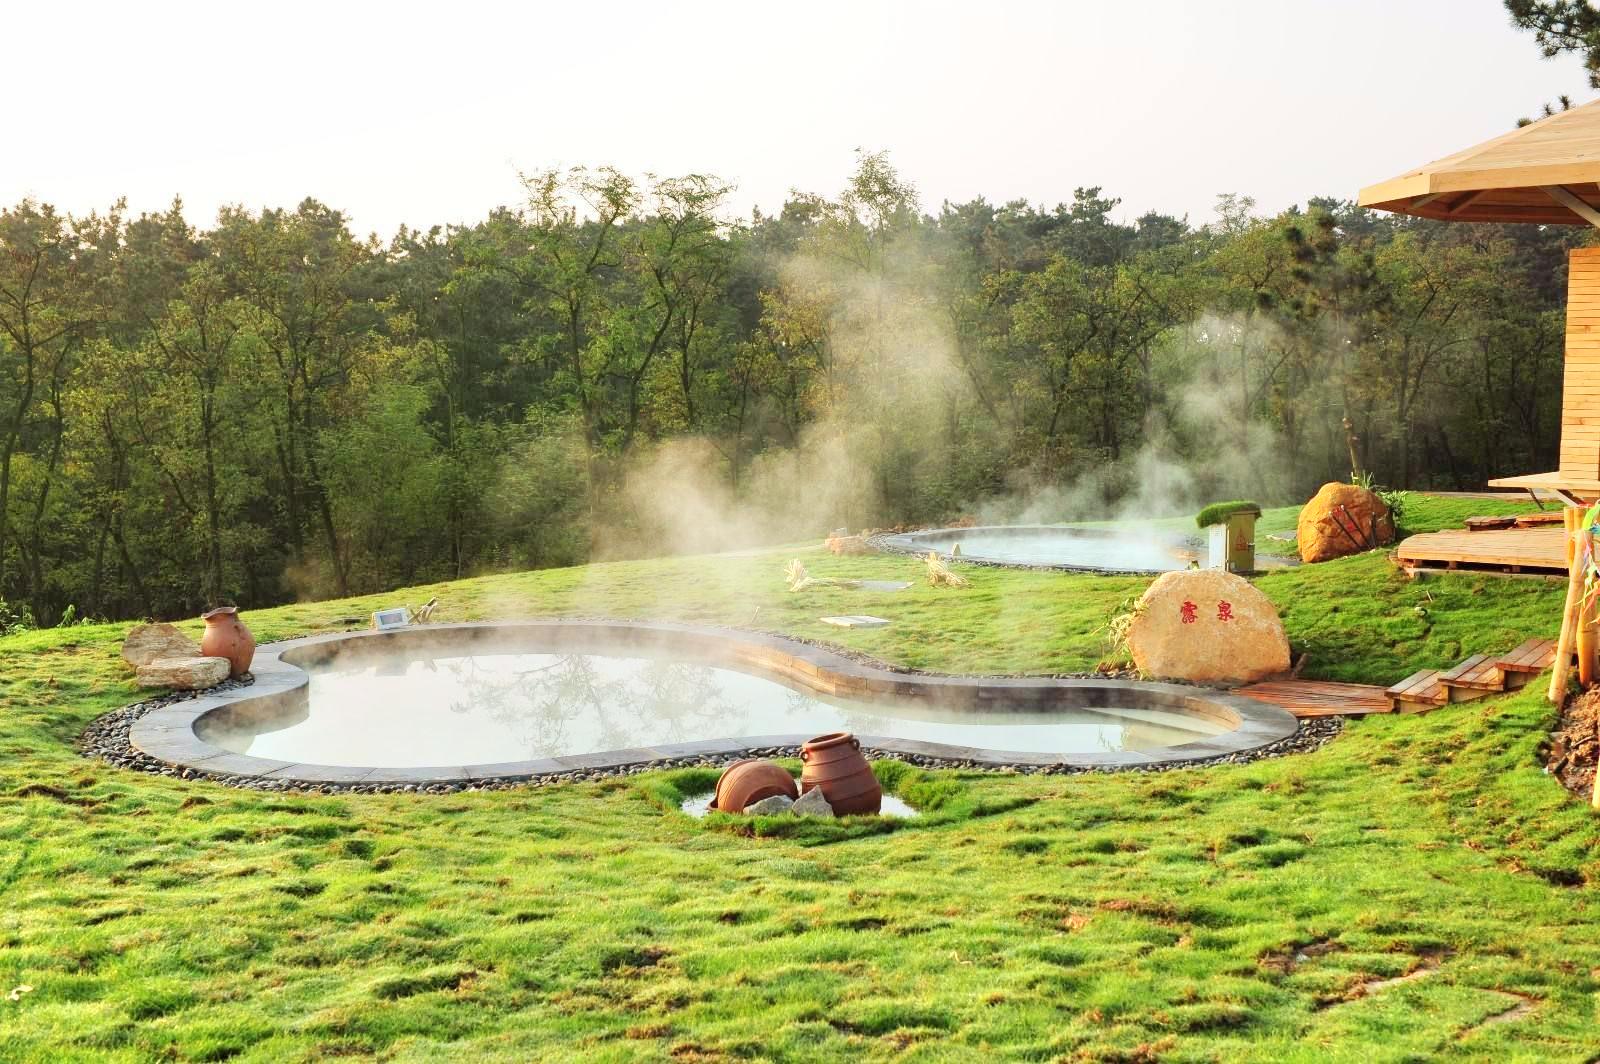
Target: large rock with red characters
x,y
1342,519
1207,626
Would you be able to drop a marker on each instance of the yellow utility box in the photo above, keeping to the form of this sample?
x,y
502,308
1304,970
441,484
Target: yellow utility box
x,y
1233,542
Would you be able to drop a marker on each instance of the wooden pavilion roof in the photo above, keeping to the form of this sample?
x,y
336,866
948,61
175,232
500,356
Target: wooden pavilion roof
x,y
1545,173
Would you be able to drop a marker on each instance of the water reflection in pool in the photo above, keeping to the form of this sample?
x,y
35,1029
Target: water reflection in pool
x,y
489,708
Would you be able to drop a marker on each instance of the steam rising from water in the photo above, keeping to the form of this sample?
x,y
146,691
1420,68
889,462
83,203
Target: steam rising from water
x,y
884,426
880,394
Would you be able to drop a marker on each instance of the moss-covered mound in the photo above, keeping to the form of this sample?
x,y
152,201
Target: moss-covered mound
x,y
1219,512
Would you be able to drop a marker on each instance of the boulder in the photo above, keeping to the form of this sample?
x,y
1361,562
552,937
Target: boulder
x,y
1342,519
812,803
770,806
183,674
1207,626
842,542
152,642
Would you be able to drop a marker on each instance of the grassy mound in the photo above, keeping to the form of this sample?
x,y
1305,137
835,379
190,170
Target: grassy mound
x,y
1247,912
1219,512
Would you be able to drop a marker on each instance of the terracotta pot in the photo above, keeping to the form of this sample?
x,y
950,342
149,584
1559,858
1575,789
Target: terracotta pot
x,y
834,763
227,637
746,782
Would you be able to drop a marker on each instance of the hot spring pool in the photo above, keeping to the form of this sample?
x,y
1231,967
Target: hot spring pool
x,y
407,713
1115,549
517,700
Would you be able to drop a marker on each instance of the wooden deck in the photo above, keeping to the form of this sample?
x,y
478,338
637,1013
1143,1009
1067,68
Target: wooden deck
x,y
1537,494
1565,485
1314,698
1513,550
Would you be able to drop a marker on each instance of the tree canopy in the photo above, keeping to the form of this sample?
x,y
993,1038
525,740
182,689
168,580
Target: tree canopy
x,y
273,407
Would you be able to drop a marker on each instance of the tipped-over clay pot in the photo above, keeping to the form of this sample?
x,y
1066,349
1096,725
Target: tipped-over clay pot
x,y
227,637
834,763
746,782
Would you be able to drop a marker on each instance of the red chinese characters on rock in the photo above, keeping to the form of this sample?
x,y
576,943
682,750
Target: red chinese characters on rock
x,y
1190,613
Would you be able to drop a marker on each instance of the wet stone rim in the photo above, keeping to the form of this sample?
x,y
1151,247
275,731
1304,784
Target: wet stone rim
x,y
159,735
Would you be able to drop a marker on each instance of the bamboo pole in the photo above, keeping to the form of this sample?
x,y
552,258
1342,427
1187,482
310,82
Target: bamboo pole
x,y
1583,544
1594,799
1569,616
1588,645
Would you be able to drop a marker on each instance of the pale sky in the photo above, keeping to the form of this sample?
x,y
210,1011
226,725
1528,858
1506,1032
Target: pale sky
x,y
423,113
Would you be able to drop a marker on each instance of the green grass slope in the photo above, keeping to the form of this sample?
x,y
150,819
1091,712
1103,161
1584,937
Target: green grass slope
x,y
1239,913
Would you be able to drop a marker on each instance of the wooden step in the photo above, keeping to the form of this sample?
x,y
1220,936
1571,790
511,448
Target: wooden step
x,y
1487,524
1315,698
1543,519
1529,659
1419,692
1477,676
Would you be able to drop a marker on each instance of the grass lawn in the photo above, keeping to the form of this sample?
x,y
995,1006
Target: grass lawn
x,y
1248,912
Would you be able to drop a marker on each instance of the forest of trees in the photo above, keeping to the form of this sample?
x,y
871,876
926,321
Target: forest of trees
x,y
273,407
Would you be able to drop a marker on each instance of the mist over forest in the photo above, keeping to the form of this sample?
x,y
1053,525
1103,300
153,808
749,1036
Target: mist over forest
x,y
270,407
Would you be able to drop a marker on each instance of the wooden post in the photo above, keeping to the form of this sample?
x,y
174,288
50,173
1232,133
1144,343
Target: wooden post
x,y
1569,616
1588,634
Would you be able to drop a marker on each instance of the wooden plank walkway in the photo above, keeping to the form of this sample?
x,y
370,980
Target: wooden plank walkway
x,y
1422,689
1481,672
1421,692
1515,550
1314,698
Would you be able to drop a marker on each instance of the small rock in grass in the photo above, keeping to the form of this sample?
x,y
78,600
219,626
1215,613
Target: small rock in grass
x,y
771,806
184,674
153,642
812,803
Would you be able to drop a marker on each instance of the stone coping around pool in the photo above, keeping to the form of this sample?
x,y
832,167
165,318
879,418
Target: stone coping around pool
x,y
168,733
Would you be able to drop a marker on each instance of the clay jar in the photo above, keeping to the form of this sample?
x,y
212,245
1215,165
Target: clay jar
x,y
746,782
834,763
227,637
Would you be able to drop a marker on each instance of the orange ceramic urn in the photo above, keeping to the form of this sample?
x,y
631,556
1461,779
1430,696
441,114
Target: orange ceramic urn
x,y
227,637
746,782
834,763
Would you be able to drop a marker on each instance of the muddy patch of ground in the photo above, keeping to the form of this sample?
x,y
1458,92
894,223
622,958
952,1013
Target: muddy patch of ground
x,y
1574,746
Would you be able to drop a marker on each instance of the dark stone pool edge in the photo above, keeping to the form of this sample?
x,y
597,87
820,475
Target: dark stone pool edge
x,y
158,735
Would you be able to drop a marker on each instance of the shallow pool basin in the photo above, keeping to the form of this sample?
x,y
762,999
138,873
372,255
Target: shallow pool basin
x,y
518,700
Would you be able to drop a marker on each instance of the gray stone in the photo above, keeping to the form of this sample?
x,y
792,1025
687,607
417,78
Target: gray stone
x,y
183,674
812,803
152,642
771,806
